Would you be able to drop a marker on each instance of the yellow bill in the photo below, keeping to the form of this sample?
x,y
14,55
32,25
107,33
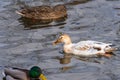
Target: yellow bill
x,y
42,77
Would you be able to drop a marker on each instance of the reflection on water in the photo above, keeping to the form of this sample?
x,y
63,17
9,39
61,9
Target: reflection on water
x,y
93,20
66,59
34,24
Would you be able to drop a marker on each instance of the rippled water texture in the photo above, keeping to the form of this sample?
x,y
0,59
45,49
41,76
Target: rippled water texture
x,y
24,44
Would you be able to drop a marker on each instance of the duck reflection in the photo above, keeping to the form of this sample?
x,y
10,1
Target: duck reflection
x,y
29,23
66,68
34,23
66,59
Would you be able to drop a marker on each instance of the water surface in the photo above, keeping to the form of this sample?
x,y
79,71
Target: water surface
x,y
24,45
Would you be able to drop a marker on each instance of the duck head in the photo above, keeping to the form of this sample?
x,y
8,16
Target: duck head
x,y
60,7
63,38
59,12
36,72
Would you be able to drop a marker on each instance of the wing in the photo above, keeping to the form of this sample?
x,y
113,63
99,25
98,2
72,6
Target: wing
x,y
83,50
86,45
16,73
81,46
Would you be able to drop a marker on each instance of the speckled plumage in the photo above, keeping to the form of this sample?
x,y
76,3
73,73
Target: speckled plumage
x,y
44,12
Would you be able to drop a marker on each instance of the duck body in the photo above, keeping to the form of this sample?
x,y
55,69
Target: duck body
x,y
44,12
84,48
34,73
16,73
87,48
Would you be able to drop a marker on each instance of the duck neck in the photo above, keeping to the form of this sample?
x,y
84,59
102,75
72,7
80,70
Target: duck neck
x,y
67,42
67,47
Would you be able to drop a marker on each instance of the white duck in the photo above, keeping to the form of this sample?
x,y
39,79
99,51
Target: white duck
x,y
84,48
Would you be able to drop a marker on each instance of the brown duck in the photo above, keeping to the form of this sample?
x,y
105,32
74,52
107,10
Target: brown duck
x,y
44,12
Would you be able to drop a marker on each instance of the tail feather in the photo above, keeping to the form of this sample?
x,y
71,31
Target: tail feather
x,y
3,73
18,12
110,49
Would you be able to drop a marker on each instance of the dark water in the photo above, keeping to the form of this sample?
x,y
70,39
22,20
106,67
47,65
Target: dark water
x,y
24,44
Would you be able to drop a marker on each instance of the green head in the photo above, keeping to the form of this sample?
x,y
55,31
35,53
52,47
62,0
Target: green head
x,y
36,72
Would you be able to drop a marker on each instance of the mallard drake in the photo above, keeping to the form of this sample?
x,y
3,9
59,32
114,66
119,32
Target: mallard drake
x,y
84,48
35,73
44,12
